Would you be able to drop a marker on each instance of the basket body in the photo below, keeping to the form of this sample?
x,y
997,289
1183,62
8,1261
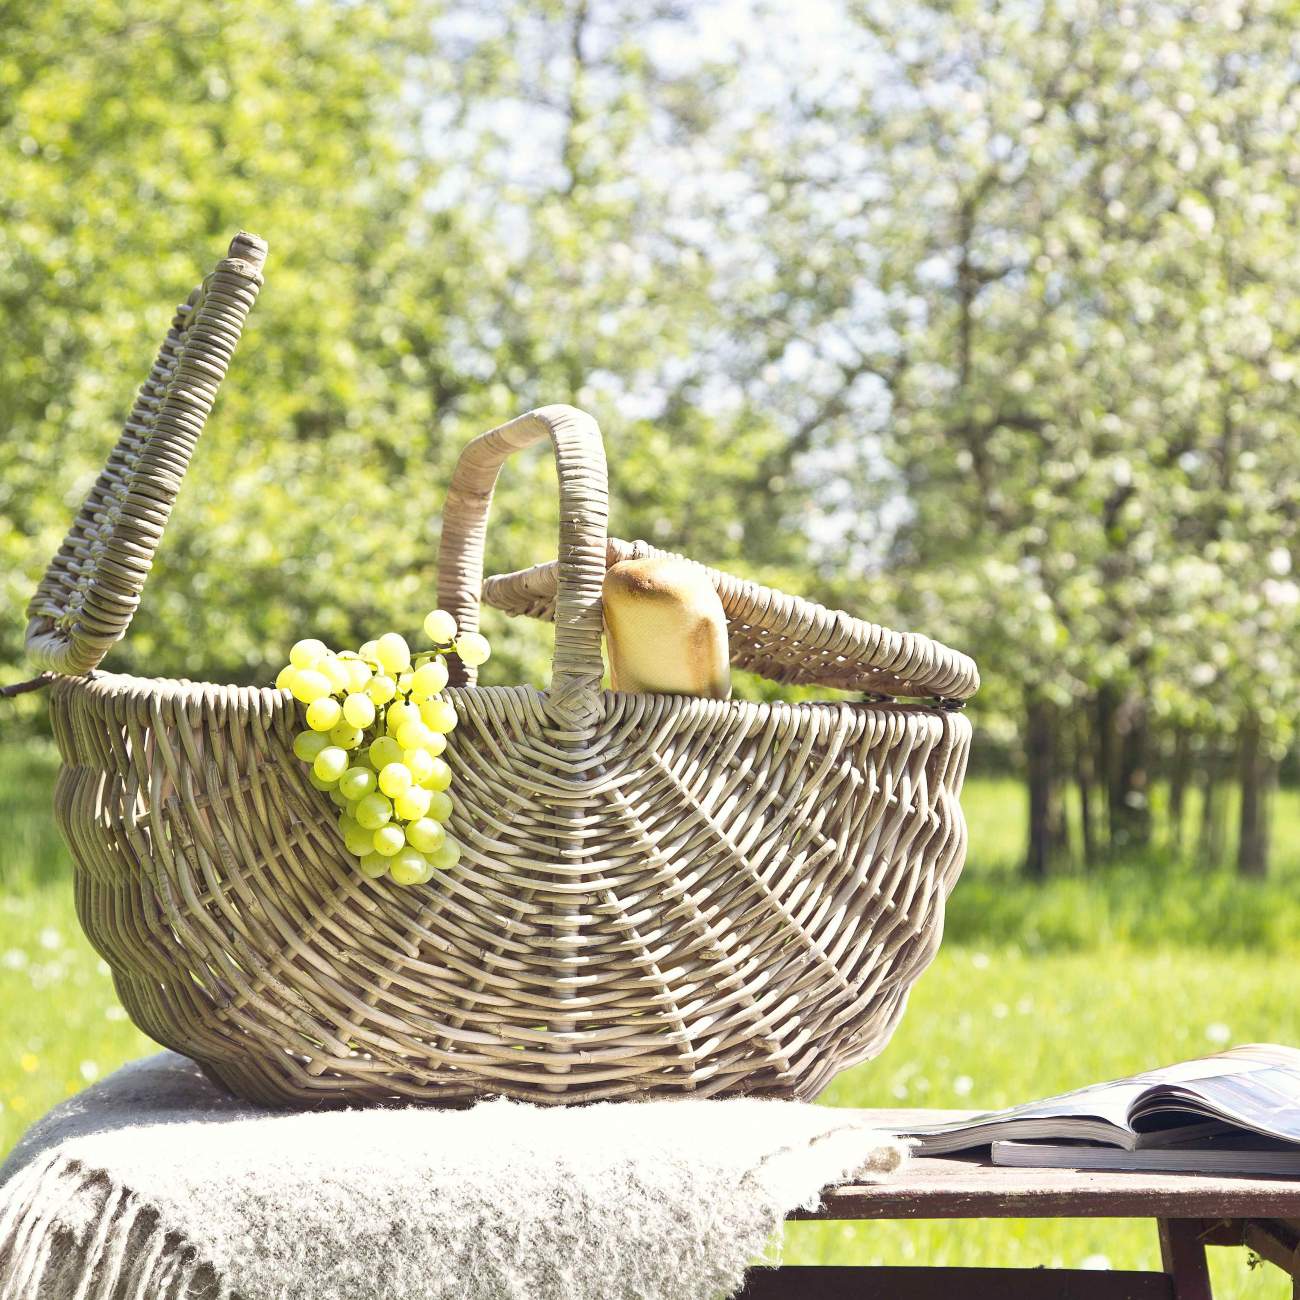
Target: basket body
x,y
657,894
688,896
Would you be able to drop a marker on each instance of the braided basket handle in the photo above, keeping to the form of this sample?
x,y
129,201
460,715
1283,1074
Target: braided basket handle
x,y
577,667
91,589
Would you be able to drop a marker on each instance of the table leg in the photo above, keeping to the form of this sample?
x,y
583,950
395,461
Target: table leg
x,y
1183,1254
1278,1241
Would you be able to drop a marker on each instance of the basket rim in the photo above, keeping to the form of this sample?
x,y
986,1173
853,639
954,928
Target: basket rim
x,y
101,682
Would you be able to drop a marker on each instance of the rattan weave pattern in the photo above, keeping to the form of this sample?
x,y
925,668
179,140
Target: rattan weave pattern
x,y
91,589
658,894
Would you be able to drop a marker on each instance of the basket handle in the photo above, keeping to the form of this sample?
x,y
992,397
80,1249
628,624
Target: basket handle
x,y
577,667
90,591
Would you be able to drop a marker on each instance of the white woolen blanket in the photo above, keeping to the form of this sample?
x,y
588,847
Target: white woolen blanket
x,y
154,1184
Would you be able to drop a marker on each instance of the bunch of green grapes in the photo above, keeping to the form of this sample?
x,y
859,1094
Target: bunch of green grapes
x,y
377,726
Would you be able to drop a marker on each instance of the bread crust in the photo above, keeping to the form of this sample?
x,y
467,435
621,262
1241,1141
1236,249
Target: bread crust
x,y
665,629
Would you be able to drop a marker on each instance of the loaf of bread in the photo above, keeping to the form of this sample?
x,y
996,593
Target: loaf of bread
x,y
665,629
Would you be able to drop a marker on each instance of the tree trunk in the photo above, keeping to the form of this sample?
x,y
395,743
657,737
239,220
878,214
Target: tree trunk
x,y
1105,749
1179,771
1047,837
1256,772
1128,797
1083,779
1209,841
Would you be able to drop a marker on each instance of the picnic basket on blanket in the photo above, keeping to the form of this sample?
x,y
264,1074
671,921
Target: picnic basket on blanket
x,y
657,895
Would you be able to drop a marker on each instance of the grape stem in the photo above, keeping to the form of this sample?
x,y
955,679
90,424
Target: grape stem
x,y
21,688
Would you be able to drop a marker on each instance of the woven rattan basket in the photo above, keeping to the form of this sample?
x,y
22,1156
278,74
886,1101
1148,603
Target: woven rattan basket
x,y
658,894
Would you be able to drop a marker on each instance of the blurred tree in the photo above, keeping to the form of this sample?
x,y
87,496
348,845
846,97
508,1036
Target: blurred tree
x,y
1070,268
980,319
459,230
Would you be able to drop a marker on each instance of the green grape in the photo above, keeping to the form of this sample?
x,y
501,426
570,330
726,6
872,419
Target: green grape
x,y
395,779
332,667
340,800
359,842
413,734
359,674
353,831
373,865
306,654
330,763
385,750
373,811
399,713
404,683
357,782
440,627
368,651
473,649
425,835
408,867
440,806
389,840
440,777
412,804
322,714
284,679
345,735
359,710
446,855
393,653
420,761
307,744
382,688
319,782
428,679
310,686
438,715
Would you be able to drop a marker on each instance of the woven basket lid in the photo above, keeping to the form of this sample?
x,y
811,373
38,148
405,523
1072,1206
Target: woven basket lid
x,y
85,601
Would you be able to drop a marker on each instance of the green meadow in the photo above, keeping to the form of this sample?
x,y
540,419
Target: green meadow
x,y
1036,989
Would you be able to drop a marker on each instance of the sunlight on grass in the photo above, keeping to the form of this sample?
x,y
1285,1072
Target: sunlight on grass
x,y
1036,990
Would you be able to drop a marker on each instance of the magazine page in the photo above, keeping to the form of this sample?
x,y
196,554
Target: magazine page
x,y
1105,1111
1261,1094
1099,1111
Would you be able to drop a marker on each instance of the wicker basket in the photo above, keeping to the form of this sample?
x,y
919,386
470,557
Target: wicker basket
x,y
658,895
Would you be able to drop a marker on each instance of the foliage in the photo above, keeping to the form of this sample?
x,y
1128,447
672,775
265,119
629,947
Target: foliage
x,y
979,319
1088,342
427,280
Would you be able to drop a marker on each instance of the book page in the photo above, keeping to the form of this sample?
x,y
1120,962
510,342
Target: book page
x,y
1262,1098
1152,1099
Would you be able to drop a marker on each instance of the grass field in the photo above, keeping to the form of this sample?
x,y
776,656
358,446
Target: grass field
x,y
1035,990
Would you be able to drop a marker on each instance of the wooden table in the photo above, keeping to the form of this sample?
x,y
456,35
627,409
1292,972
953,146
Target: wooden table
x,y
1190,1213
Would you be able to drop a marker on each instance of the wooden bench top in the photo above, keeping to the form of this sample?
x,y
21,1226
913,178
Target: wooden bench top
x,y
969,1187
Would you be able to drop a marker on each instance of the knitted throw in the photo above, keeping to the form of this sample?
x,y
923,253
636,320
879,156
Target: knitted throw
x,y
154,1185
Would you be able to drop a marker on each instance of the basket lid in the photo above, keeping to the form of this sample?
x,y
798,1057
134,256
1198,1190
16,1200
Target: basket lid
x,y
85,601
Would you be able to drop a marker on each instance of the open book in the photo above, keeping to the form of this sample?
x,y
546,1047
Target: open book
x,y
1235,1104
